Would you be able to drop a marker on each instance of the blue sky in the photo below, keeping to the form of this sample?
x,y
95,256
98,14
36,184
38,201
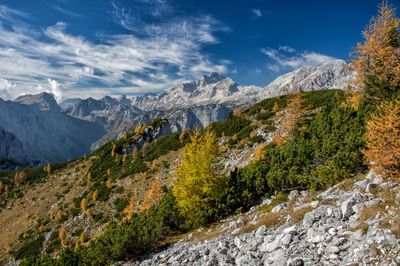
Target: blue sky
x,y
76,48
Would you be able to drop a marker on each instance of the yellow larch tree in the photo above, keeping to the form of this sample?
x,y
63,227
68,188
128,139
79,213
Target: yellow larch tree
x,y
84,204
134,154
113,149
291,115
153,195
260,151
109,184
130,209
383,140
376,61
196,181
63,235
95,195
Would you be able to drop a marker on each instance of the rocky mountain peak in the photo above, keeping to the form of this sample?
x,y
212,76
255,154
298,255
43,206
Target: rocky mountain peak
x,y
205,80
44,100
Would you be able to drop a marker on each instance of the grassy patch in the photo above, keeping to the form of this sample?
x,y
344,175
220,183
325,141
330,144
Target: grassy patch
x,y
270,220
298,215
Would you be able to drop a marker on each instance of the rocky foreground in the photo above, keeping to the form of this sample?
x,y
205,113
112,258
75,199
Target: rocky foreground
x,y
348,224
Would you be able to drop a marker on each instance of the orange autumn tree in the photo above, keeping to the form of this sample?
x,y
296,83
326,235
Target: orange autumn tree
x,y
291,115
130,209
383,140
153,195
376,61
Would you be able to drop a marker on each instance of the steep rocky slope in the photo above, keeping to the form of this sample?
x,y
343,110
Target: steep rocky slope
x,y
354,222
35,130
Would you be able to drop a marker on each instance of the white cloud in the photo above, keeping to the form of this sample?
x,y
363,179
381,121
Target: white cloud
x,y
287,49
256,12
281,61
50,59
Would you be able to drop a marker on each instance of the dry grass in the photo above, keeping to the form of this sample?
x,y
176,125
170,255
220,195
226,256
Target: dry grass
x,y
389,199
363,226
270,220
208,233
347,184
298,215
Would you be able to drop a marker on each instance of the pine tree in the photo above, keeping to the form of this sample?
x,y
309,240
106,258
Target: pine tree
x,y
383,140
377,60
196,181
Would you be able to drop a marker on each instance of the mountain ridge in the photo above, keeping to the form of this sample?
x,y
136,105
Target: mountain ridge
x,y
208,99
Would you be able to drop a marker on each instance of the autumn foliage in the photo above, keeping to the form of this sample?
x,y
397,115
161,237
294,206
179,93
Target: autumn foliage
x,y
153,195
196,181
130,209
290,116
376,61
383,140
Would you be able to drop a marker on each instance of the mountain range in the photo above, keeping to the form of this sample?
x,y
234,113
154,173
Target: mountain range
x,y
34,129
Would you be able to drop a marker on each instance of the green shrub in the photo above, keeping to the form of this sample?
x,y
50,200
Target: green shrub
x,y
162,146
120,204
233,124
30,248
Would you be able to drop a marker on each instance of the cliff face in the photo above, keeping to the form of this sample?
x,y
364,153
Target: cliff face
x,y
35,130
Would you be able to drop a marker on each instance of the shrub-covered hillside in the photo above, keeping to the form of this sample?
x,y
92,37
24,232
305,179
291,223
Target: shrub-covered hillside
x,y
129,192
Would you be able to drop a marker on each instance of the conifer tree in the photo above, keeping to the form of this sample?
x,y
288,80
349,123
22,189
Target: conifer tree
x,y
130,209
95,195
291,115
383,140
84,204
62,234
196,181
113,150
184,134
259,153
153,195
109,184
134,154
377,60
